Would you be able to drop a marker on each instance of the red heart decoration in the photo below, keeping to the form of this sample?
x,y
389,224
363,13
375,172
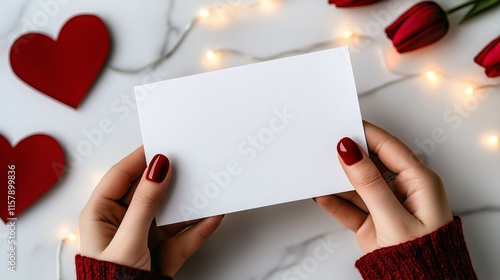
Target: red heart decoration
x,y
37,163
64,69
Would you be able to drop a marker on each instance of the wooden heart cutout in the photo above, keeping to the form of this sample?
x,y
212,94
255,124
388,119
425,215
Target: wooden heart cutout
x,y
36,164
64,69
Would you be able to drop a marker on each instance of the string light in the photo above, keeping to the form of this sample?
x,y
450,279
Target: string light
x,y
494,140
204,13
268,4
211,55
214,55
431,76
469,90
348,34
212,59
70,237
490,140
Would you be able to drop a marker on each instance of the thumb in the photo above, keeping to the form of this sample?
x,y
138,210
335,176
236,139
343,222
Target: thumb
x,y
146,200
366,179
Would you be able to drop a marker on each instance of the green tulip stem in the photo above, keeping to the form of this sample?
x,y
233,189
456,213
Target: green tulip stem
x,y
459,7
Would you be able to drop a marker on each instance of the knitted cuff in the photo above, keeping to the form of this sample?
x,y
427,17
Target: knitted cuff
x,y
441,254
90,269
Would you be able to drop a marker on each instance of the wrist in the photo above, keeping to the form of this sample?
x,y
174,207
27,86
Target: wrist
x,y
90,268
441,254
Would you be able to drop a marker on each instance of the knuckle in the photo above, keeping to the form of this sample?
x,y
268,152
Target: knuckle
x,y
202,234
386,141
145,201
434,176
179,249
118,169
184,252
81,217
367,179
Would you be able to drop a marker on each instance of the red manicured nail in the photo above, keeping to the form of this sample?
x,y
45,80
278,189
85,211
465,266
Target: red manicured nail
x,y
349,151
158,167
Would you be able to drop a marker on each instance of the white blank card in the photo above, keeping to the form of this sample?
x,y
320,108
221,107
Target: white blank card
x,y
251,136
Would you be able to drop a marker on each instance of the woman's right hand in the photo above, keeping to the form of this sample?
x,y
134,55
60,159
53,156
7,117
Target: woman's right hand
x,y
378,215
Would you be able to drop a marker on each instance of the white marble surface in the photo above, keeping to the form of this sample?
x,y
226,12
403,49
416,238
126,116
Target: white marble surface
x,y
250,244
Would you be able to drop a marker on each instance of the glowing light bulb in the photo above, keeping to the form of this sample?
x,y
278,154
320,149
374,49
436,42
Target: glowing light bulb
x,y
204,13
348,34
469,90
494,140
212,59
431,76
72,237
211,55
267,4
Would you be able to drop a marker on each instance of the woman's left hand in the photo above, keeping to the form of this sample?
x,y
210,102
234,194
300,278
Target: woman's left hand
x,y
117,223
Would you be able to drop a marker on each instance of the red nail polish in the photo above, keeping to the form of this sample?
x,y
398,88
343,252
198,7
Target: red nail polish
x,y
158,167
349,151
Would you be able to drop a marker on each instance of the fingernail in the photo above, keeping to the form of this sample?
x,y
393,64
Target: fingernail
x,y
157,169
349,151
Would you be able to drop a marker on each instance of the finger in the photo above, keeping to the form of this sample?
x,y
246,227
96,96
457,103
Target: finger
x,y
117,181
343,211
353,198
158,234
145,202
368,182
384,171
414,179
174,229
393,153
127,198
179,248
101,207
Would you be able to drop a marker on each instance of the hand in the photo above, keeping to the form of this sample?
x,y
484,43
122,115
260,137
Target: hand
x,y
378,215
117,223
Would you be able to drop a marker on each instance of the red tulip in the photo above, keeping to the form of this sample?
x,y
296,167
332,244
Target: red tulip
x,y
351,3
422,25
489,58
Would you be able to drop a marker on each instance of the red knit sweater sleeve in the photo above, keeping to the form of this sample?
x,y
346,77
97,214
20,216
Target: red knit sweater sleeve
x,y
441,254
92,269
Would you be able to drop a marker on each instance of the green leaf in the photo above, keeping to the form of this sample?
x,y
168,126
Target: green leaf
x,y
479,7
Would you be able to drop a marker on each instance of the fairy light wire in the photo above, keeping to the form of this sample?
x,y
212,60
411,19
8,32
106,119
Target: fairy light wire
x,y
282,54
320,45
348,35
188,28
58,258
153,64
60,245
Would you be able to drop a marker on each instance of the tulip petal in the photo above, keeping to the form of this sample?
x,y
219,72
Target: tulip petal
x,y
417,32
490,55
393,27
424,24
414,26
422,39
493,72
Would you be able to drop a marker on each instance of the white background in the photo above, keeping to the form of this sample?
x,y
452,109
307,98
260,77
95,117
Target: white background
x,y
251,243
